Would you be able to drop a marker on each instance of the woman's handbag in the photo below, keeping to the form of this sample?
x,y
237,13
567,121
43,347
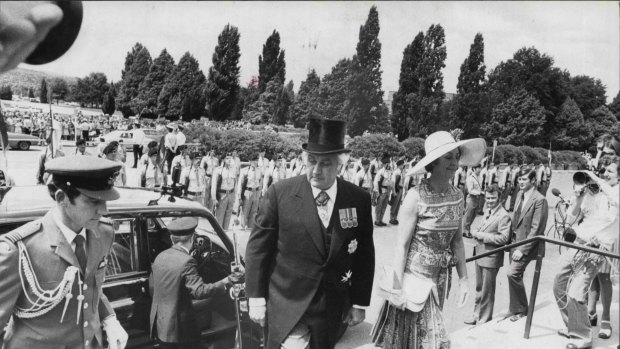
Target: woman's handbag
x,y
413,292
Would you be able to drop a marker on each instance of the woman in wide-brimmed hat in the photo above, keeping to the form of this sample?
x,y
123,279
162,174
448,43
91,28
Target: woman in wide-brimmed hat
x,y
429,244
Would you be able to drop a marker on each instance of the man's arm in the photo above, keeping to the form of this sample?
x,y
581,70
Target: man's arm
x,y
261,246
10,285
197,288
363,269
503,233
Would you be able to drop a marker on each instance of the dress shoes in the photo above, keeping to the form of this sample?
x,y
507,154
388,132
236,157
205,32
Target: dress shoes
x,y
579,344
380,224
517,316
471,321
393,222
564,332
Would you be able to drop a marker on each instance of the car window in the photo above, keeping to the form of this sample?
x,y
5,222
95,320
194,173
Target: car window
x,y
122,257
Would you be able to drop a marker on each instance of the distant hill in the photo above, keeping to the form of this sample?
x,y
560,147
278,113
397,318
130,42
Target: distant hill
x,y
21,79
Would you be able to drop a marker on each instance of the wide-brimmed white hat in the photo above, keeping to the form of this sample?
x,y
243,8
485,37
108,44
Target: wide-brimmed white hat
x,y
442,142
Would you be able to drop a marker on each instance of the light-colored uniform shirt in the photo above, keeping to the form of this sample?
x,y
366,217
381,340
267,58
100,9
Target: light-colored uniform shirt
x,y
194,177
383,180
229,177
364,177
473,185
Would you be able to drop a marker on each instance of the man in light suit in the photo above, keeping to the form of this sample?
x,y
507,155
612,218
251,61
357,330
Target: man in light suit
x,y
529,220
310,255
174,283
68,246
494,232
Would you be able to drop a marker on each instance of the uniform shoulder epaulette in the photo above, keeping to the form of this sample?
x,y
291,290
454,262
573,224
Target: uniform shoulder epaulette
x,y
106,221
22,232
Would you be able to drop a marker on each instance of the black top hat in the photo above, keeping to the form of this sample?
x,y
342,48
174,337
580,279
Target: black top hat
x,y
325,137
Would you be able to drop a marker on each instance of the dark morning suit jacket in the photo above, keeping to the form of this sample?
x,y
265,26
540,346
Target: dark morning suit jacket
x,y
287,260
496,231
531,222
174,282
51,254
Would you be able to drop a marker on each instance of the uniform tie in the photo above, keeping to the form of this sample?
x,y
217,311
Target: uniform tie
x,y
321,199
80,251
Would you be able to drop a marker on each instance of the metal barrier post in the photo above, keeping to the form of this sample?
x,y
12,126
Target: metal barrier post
x,y
532,305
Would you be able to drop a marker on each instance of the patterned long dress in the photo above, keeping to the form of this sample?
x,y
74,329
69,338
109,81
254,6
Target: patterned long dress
x,y
429,257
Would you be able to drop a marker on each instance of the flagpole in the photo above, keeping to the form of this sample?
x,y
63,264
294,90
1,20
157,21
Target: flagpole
x,y
3,133
51,135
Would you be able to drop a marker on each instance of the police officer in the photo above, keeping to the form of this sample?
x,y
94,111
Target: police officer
x,y
174,283
70,309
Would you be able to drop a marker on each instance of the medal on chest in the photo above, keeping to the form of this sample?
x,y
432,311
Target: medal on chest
x,y
348,217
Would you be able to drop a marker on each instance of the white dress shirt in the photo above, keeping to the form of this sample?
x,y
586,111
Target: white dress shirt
x,y
325,212
68,233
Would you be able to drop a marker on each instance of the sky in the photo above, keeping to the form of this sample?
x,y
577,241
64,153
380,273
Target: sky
x,y
582,37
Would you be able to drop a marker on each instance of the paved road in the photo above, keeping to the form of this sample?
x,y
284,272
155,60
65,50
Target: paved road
x,y
22,166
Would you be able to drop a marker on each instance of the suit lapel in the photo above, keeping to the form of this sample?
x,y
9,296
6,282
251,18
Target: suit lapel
x,y
527,206
337,231
489,221
306,210
58,241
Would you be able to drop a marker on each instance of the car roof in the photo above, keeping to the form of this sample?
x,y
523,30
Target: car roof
x,y
22,202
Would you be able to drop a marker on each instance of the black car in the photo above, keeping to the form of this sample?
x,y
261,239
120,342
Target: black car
x,y
141,235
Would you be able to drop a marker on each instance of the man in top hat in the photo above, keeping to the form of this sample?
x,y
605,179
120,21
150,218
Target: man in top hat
x,y
223,190
397,191
382,187
67,249
174,283
493,232
310,255
249,189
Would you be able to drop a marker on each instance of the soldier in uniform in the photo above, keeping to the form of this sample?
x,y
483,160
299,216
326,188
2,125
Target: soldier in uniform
x,y
174,283
397,191
193,179
275,175
223,190
249,191
55,294
514,174
208,164
364,177
382,187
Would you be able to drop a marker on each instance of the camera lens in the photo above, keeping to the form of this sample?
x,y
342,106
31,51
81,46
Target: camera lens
x,y
580,178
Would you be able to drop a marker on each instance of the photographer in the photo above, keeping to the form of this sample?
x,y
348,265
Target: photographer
x,y
596,208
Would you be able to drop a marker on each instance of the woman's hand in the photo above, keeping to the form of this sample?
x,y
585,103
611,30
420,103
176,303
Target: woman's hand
x,y
463,292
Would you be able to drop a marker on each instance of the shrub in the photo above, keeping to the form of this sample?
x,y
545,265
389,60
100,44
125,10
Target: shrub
x,y
510,153
414,146
375,145
530,154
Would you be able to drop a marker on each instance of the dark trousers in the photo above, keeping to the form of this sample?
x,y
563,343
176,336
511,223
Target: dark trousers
x,y
516,287
382,203
314,320
85,136
169,156
513,198
137,154
395,206
485,293
480,207
505,193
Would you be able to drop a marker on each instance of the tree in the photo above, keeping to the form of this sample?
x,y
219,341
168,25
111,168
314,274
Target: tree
x,y
571,132
6,93
137,65
91,89
602,121
424,106
223,82
518,121
30,93
247,96
154,81
533,72
271,64
614,106
263,109
588,93
43,91
366,110
333,92
284,100
408,83
109,104
306,104
472,105
183,92
59,88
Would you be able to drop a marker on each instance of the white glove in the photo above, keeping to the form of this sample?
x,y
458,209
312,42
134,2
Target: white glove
x,y
257,310
463,292
117,337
